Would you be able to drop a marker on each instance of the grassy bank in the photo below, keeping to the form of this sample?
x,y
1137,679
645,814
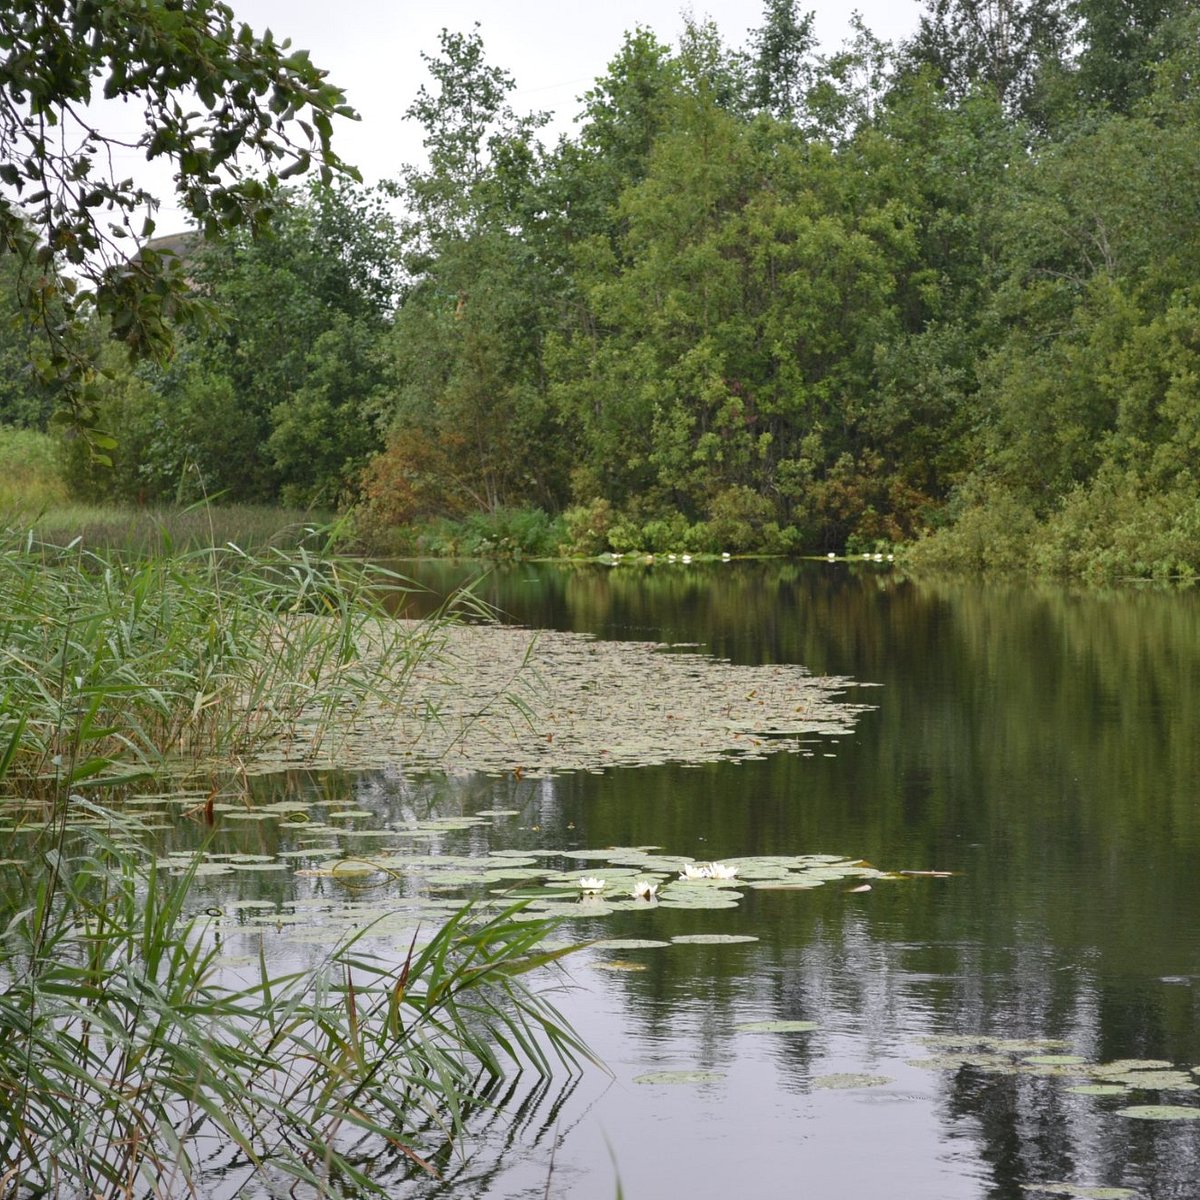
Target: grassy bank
x,y
35,497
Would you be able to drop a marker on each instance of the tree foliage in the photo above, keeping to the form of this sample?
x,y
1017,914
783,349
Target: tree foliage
x,y
762,298
235,113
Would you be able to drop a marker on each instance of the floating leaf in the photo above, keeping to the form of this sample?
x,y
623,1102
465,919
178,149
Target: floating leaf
x,y
591,705
712,939
953,1062
1167,1081
955,1040
847,1080
619,964
1025,1045
1099,1089
1123,1066
1055,1060
776,1027
684,1077
1160,1112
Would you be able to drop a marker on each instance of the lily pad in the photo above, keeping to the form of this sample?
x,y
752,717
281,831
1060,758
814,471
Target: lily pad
x,y
680,1077
1160,1112
591,705
1166,1081
776,1027
843,1080
1026,1045
712,939
1123,1066
1099,1089
1055,1060
953,1062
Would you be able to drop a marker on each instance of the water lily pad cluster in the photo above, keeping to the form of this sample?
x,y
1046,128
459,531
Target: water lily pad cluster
x,y
633,878
503,699
394,887
1128,1077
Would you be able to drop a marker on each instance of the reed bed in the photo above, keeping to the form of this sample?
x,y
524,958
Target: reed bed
x,y
124,1061
159,529
114,666
124,1056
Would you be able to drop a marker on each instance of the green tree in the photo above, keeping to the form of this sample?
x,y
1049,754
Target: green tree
x,y
220,102
1121,43
466,346
1000,45
781,71
274,395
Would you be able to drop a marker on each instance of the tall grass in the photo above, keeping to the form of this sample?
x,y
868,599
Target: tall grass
x,y
123,1056
112,666
151,530
124,1059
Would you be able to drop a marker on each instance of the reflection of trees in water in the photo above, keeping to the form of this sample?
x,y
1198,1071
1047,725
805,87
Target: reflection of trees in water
x,y
1042,742
875,988
1030,1130
511,1128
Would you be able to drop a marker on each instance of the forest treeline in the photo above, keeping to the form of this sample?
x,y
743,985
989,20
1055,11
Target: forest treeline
x,y
764,298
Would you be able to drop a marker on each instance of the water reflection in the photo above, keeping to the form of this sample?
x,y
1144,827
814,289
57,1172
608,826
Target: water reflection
x,y
1040,743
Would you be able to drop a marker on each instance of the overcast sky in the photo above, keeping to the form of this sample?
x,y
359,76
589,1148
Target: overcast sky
x,y
553,48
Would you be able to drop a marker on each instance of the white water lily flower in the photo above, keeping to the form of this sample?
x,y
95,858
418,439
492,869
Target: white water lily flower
x,y
694,871
643,889
721,871
589,884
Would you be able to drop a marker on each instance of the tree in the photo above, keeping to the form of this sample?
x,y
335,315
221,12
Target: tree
x,y
467,337
1001,45
218,101
467,124
781,73
1121,42
271,398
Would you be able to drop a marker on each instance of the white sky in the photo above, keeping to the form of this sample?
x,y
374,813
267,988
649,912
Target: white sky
x,y
553,48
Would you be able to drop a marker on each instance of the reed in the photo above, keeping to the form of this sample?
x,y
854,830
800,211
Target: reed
x,y
124,1060
112,667
124,1056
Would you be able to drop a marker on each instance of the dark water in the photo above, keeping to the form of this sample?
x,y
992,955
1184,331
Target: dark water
x,y
1042,744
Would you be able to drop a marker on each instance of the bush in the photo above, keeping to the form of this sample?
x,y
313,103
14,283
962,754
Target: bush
x,y
586,528
738,519
1118,527
996,531
663,534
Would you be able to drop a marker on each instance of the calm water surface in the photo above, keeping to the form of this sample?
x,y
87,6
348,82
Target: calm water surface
x,y
1042,744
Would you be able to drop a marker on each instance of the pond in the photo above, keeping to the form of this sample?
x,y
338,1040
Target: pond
x,y
1000,1023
